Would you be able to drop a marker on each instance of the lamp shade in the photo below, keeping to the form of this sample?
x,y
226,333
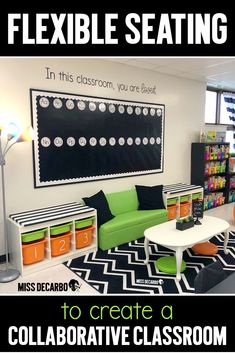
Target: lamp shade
x,y
26,135
2,124
12,130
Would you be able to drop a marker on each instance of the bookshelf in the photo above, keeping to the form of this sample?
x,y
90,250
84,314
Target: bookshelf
x,y
210,169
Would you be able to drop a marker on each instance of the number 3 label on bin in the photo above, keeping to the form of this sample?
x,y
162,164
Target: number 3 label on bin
x,y
85,239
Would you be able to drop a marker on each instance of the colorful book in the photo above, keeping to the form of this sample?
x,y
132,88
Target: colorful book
x,y
211,136
220,136
202,137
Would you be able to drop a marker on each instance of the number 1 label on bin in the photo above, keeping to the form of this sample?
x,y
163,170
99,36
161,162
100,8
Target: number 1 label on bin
x,y
35,253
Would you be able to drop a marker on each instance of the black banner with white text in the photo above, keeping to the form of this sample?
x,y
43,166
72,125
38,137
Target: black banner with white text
x,y
101,323
160,30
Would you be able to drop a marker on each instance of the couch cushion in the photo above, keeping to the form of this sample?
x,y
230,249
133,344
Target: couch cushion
x,y
122,201
99,202
129,219
150,197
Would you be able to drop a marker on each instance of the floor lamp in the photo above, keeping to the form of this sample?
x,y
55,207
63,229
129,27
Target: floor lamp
x,y
9,274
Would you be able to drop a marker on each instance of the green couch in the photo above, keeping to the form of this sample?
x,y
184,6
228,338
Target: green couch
x,y
129,223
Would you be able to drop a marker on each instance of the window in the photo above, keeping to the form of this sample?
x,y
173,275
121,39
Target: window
x,y
210,109
224,114
224,117
230,139
216,108
216,112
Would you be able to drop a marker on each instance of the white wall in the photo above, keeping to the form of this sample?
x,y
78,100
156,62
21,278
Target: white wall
x,y
183,98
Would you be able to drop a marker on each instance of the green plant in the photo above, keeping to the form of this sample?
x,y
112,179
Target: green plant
x,y
185,219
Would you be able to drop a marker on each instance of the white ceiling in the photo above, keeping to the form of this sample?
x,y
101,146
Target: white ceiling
x,y
216,72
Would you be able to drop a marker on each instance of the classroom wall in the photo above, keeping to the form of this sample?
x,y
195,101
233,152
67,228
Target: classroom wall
x,y
184,101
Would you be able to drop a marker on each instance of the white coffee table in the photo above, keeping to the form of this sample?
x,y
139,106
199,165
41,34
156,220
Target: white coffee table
x,y
167,235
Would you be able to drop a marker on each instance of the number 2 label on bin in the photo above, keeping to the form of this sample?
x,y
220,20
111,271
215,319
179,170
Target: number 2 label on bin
x,y
62,245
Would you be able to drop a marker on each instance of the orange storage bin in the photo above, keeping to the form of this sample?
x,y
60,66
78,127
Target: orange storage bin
x,y
60,244
33,252
172,210
184,209
84,237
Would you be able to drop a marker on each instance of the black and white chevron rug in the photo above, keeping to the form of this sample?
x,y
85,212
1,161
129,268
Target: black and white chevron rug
x,y
122,270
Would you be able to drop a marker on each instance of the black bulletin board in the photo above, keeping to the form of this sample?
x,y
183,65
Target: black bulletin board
x,y
81,138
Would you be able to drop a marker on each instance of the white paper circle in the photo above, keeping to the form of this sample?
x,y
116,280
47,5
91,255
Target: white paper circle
x,y
152,140
69,104
121,109
44,102
102,107
57,103
92,106
82,141
58,141
137,110
145,111
71,141
121,141
102,141
81,105
159,112
130,141
129,110
112,108
112,141
137,141
145,141
93,141
158,140
45,141
152,111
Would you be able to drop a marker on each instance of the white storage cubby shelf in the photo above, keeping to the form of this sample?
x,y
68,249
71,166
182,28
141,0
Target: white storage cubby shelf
x,y
179,191
15,231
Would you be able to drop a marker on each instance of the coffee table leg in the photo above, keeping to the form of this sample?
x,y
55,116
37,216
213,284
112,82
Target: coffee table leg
x,y
179,255
226,237
146,249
